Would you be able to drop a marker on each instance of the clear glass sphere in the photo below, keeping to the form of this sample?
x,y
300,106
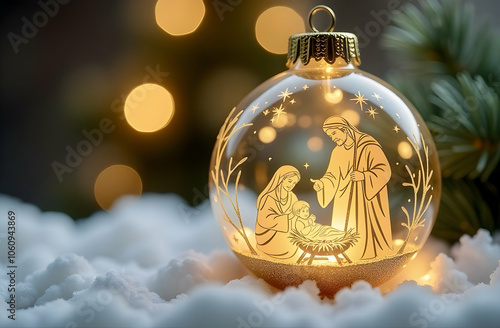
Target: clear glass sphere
x,y
325,172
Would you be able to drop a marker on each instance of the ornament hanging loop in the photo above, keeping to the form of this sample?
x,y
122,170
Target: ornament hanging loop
x,y
330,13
327,45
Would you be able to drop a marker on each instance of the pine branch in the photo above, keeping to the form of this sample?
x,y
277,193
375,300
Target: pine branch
x,y
452,62
443,38
467,134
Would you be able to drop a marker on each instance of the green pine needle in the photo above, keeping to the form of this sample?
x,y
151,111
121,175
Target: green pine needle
x,y
467,131
448,68
443,38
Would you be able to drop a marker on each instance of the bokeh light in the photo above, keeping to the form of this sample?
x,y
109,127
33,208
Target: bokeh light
x,y
280,121
267,134
334,97
114,182
398,242
305,121
315,144
351,116
291,119
405,150
179,17
275,25
149,108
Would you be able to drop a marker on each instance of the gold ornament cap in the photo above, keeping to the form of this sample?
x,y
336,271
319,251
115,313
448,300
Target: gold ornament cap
x,y
326,45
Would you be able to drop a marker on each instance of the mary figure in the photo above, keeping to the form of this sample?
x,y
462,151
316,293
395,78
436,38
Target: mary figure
x,y
274,214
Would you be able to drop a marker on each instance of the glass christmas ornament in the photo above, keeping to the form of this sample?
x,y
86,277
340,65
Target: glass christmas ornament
x,y
324,172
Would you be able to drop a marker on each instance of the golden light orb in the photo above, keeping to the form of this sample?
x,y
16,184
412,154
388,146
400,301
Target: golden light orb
x,y
275,25
114,182
405,150
179,17
149,108
267,134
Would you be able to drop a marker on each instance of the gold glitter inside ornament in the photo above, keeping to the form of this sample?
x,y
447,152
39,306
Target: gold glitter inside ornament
x,y
324,171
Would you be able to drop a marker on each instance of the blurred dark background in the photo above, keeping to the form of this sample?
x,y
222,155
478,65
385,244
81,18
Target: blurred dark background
x,y
77,68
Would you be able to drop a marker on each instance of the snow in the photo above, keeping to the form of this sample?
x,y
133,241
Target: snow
x,y
156,262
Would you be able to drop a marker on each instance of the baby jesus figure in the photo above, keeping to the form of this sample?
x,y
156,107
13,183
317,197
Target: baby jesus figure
x,y
306,225
317,239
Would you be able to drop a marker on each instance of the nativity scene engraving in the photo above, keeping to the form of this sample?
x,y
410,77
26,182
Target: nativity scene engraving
x,y
354,187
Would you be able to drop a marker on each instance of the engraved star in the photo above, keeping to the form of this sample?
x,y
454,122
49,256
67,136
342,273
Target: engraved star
x,y
306,166
372,111
305,87
254,108
396,128
292,101
272,120
236,239
285,94
278,111
265,112
360,99
376,96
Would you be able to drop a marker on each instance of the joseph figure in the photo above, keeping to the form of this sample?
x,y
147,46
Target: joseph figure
x,y
355,183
